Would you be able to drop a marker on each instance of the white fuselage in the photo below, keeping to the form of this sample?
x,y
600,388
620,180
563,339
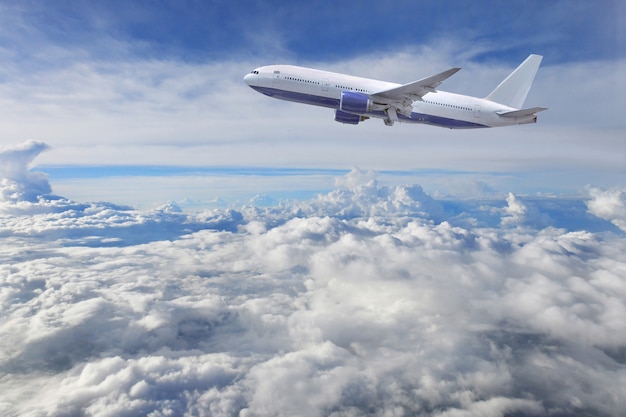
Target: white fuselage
x,y
323,88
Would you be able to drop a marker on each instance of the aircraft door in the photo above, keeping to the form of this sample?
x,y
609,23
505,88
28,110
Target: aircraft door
x,y
276,76
477,111
325,84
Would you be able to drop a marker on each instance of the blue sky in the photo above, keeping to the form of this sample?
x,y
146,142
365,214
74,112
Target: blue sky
x,y
564,31
160,83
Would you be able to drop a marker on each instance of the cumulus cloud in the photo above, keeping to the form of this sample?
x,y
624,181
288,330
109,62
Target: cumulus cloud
x,y
521,212
515,210
609,205
358,194
18,183
368,300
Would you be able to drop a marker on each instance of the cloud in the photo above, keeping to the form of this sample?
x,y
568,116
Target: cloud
x,y
519,212
609,205
367,300
18,183
515,211
35,213
359,195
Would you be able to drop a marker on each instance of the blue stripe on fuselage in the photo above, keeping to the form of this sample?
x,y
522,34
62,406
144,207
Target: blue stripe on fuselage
x,y
440,121
333,103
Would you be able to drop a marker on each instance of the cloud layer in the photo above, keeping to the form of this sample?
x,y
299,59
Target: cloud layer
x,y
368,300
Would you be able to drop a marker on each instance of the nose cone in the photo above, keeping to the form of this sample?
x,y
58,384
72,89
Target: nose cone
x,y
248,78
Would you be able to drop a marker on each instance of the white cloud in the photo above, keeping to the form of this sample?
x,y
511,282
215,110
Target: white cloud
x,y
17,182
515,211
356,302
609,205
360,195
518,213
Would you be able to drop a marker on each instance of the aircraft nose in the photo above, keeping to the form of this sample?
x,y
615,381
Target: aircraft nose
x,y
247,78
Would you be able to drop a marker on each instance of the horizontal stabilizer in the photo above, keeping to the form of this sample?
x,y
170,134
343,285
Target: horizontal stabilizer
x,y
522,113
416,89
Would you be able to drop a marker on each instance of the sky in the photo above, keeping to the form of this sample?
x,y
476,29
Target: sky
x,y
174,243
160,84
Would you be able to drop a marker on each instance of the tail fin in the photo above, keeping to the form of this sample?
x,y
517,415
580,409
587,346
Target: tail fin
x,y
514,89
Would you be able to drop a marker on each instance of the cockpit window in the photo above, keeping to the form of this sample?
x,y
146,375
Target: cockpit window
x,y
254,72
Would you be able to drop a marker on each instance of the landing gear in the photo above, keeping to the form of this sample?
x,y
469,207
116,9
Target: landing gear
x,y
392,116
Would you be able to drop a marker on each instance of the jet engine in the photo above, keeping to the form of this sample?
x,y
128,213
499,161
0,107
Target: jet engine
x,y
348,118
354,102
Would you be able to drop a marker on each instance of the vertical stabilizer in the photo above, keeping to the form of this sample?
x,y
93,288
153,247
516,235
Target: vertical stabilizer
x,y
514,89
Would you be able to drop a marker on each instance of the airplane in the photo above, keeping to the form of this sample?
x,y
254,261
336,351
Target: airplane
x,y
356,99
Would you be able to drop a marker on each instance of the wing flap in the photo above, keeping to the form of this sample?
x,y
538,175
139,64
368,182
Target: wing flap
x,y
416,89
522,112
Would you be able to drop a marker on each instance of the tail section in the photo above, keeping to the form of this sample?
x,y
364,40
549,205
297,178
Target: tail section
x,y
514,89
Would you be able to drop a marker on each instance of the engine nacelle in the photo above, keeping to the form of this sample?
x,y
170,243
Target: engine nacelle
x,y
347,118
354,102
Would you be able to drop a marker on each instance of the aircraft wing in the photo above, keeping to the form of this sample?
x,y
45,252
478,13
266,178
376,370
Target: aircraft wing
x,y
521,113
414,90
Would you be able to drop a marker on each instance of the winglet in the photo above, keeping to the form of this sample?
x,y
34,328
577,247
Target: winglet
x,y
514,89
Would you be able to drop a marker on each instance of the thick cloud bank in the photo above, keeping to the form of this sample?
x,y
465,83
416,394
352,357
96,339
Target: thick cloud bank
x,y
369,300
